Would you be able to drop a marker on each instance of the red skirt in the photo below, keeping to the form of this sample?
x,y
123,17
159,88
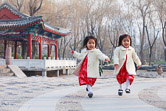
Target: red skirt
x,y
83,79
123,75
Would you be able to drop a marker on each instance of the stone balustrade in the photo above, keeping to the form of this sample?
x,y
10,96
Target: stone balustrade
x,y
43,65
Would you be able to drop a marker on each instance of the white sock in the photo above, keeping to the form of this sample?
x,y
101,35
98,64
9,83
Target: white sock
x,y
120,86
89,88
127,84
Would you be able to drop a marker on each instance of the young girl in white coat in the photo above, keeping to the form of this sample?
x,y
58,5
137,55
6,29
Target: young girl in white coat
x,y
124,67
90,56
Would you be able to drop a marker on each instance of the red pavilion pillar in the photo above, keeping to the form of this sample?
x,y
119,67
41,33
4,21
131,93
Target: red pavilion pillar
x,y
49,48
40,48
56,50
5,44
30,45
15,50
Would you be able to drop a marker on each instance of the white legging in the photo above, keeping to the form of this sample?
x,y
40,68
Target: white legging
x,y
89,88
127,84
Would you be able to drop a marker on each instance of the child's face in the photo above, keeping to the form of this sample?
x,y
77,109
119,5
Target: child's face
x,y
91,44
126,42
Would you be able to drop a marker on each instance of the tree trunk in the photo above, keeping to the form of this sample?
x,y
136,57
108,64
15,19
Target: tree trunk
x,y
163,34
63,52
60,48
165,53
150,56
141,54
142,42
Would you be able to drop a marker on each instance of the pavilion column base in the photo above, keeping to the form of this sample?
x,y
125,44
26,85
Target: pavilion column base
x,y
67,71
57,73
44,73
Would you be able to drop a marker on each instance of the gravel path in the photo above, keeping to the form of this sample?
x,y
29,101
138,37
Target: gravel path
x,y
17,91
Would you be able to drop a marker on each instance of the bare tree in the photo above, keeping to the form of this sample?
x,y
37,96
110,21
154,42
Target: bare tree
x,y
113,38
18,4
151,44
115,26
34,6
161,10
95,20
142,7
62,12
65,46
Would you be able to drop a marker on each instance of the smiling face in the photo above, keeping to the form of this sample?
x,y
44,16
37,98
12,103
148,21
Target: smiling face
x,y
126,42
91,44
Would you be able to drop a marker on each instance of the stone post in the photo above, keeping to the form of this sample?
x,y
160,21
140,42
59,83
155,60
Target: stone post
x,y
8,56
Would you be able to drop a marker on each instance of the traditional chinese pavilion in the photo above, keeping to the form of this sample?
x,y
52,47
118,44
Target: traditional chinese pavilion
x,y
18,29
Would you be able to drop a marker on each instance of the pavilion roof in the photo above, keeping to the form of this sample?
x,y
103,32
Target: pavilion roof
x,y
13,10
30,21
5,24
26,21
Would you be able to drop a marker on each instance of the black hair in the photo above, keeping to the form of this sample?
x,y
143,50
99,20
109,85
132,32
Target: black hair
x,y
122,37
87,38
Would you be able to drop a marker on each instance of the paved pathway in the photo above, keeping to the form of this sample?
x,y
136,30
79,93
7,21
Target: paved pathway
x,y
146,95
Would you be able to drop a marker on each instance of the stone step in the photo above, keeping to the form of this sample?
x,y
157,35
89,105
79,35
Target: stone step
x,y
3,66
6,74
17,71
5,70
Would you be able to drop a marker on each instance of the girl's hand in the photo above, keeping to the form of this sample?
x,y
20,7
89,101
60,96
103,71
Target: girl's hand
x,y
138,66
107,59
72,51
116,66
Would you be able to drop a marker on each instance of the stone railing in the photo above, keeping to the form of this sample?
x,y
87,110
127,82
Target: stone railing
x,y
43,65
2,61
